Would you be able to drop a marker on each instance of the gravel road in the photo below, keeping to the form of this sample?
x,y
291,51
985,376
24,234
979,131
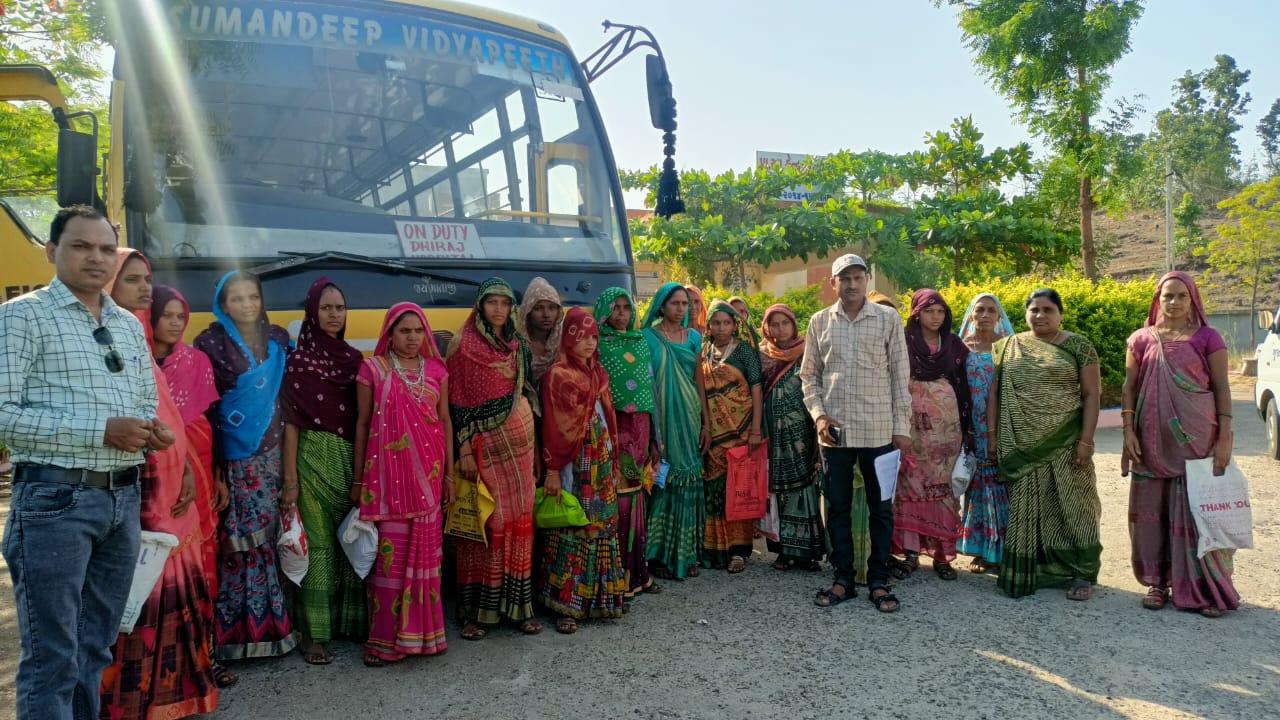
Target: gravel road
x,y
754,646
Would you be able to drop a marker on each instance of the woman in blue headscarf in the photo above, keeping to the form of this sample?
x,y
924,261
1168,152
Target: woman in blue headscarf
x,y
248,357
677,514
985,513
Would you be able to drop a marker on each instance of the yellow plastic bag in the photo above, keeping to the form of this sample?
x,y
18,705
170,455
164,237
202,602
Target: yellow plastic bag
x,y
470,511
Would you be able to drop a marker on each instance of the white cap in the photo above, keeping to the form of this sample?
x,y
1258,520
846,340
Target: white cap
x,y
847,261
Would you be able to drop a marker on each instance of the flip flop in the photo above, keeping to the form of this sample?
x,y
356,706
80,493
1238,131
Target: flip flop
x,y
318,658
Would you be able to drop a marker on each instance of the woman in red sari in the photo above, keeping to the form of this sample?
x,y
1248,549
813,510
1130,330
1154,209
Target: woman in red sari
x,y
403,481
1177,407
493,426
582,573
163,669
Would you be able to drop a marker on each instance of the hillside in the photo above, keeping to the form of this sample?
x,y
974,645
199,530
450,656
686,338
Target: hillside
x,y
1137,251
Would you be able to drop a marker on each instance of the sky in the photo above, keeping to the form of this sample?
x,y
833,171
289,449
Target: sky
x,y
815,77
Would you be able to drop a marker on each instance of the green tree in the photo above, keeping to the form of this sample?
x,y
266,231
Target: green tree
x,y
67,38
1248,245
1198,129
1269,133
1051,60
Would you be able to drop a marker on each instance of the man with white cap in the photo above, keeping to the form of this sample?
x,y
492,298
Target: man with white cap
x,y
855,373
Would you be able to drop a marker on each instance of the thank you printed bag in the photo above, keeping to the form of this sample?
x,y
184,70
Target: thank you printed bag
x,y
1220,505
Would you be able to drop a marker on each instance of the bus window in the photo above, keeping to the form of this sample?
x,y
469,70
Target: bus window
x,y
306,147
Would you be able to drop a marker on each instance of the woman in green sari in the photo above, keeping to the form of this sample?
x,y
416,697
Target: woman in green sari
x,y
676,512
794,478
1045,407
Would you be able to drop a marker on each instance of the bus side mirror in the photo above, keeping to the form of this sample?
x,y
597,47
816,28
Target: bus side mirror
x,y
77,168
662,104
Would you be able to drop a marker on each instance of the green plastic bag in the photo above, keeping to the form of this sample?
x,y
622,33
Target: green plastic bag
x,y
561,511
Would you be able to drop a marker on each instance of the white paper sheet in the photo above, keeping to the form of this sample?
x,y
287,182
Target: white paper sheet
x,y
887,473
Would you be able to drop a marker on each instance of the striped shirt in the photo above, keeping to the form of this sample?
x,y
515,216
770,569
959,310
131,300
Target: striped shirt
x,y
856,372
56,392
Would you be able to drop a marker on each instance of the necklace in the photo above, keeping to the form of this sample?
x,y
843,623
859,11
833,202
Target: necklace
x,y
1170,335
417,386
718,357
679,336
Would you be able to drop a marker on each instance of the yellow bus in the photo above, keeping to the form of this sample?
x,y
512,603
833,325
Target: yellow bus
x,y
407,149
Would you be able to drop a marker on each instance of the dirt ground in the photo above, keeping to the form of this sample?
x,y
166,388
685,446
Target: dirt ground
x,y
754,646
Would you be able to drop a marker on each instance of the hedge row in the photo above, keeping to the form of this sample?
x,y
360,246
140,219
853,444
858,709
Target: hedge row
x,y
1105,312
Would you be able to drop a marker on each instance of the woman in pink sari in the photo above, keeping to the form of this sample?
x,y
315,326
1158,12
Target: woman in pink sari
x,y
164,668
1177,407
402,482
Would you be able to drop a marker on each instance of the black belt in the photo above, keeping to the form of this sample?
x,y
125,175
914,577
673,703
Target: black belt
x,y
109,480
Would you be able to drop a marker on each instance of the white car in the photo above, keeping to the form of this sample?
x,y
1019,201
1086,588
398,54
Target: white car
x,y
1266,392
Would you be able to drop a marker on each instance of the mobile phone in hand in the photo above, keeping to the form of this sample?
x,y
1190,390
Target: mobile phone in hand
x,y
834,432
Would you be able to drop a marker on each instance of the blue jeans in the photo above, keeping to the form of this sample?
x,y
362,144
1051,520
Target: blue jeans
x,y
71,552
838,490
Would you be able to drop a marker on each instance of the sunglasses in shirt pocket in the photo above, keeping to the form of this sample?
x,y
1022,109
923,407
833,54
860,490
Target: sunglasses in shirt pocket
x,y
44,499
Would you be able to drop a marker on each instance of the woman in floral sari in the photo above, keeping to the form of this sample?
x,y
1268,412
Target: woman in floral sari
x,y
582,572
732,381
1177,407
985,512
1046,408
403,480
248,357
164,668
494,430
320,417
677,514
793,445
625,356
926,513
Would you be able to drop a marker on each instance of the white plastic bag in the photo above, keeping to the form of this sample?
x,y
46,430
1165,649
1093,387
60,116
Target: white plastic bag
x,y
359,539
771,524
962,473
292,546
1220,506
153,551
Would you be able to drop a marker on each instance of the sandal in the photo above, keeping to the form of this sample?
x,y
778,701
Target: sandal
x,y
1156,598
318,657
977,566
652,588
783,564
371,660
737,564
945,571
1212,612
885,598
828,598
566,626
662,573
473,631
902,569
223,677
1080,590
530,627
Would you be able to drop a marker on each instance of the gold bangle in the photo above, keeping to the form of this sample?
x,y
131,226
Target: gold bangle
x,y
1127,412
1085,442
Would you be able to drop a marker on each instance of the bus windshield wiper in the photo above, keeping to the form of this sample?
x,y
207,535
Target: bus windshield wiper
x,y
294,260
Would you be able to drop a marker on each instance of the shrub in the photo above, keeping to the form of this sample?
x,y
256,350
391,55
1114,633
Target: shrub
x,y
1105,313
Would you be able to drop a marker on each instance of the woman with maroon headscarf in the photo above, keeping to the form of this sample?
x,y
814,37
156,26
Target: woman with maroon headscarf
x,y
926,513
1177,407
320,417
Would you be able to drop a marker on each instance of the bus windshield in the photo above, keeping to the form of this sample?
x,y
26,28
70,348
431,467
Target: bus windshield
x,y
386,133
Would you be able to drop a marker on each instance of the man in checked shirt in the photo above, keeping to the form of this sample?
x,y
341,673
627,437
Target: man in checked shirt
x,y
77,409
855,373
